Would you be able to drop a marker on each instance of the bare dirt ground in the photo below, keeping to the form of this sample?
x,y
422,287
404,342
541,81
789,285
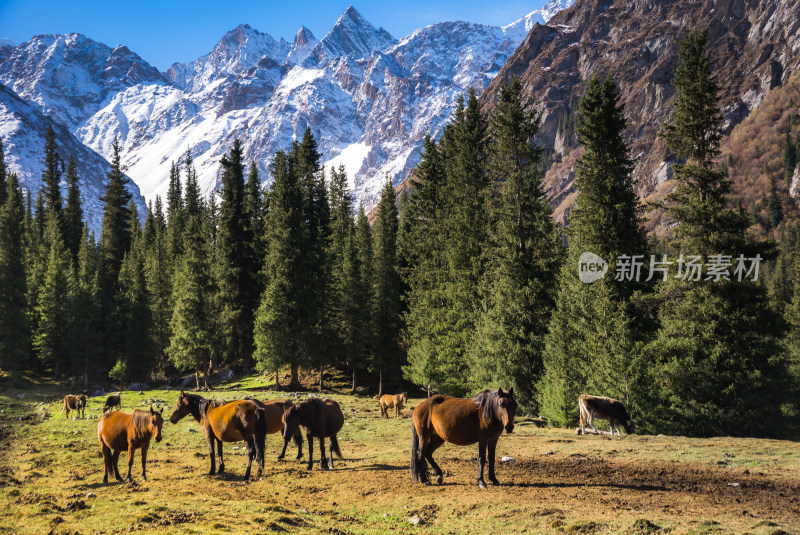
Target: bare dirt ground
x,y
51,481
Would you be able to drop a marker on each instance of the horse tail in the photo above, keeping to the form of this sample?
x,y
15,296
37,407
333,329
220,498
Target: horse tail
x,y
260,436
335,447
417,468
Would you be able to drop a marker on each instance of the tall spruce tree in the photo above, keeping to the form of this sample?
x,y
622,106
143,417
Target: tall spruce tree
x,y
85,322
716,355
278,325
386,307
522,256
233,268
589,345
3,174
362,269
73,212
14,333
158,280
51,179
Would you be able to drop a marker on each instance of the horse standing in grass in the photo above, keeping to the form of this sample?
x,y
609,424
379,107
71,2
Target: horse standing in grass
x,y
273,414
226,422
118,431
319,418
75,403
441,419
388,401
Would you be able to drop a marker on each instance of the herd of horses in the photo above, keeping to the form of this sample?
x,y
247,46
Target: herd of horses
x,y
438,419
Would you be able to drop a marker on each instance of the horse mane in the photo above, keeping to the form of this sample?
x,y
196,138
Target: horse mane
x,y
205,404
488,401
141,421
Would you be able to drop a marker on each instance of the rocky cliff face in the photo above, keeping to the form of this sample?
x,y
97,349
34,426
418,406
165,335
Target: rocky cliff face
x,y
755,45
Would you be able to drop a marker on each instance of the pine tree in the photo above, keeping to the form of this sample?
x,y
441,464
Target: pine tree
x,y
254,217
362,297
175,210
233,268
716,354
789,153
73,213
386,308
134,313
85,322
51,179
3,175
158,280
518,288
588,347
14,334
278,327
52,308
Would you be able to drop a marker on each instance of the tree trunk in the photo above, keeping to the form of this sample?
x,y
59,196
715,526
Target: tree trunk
x,y
55,371
277,380
208,371
295,381
380,383
197,378
321,377
354,378
85,372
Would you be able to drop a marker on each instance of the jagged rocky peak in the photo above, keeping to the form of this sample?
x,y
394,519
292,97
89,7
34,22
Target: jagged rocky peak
x,y
303,37
302,45
351,35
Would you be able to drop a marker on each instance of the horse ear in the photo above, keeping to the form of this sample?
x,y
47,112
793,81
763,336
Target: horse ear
x,y
500,391
151,410
182,394
511,391
161,411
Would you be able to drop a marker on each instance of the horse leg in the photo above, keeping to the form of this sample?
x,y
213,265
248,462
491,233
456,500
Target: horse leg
x,y
423,442
323,461
106,462
298,439
434,444
210,439
115,464
144,460
481,462
221,461
251,451
310,438
492,447
131,449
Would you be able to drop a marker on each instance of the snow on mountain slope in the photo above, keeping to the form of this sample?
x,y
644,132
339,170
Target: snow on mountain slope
x,y
23,128
70,76
367,98
520,28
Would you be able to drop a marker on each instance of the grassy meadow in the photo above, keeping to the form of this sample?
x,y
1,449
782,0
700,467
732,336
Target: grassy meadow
x,y
51,479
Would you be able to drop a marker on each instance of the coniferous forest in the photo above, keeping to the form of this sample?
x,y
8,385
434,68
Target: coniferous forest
x,y
459,282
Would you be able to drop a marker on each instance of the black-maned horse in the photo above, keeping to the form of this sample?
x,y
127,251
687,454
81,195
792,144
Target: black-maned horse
x,y
319,418
441,419
226,422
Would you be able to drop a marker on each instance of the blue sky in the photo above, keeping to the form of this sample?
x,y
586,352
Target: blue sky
x,y
166,31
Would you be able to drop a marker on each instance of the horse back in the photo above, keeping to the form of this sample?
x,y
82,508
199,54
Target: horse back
x,y
334,418
230,422
114,430
456,420
273,411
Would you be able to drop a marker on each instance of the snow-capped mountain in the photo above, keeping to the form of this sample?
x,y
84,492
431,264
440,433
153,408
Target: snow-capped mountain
x,y
368,98
521,27
23,128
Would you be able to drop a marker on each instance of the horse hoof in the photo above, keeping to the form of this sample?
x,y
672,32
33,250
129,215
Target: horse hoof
x,y
309,468
426,483
495,482
481,484
440,480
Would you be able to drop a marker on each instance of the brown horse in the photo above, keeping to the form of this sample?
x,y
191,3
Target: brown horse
x,y
441,419
273,415
319,418
226,422
75,403
117,431
388,401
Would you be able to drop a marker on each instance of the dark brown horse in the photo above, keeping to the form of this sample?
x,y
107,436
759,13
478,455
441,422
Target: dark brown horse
x,y
75,403
319,418
441,419
273,416
118,431
226,422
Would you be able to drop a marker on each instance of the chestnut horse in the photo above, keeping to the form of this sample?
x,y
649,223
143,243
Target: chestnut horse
x,y
441,419
273,414
226,422
319,418
117,431
388,401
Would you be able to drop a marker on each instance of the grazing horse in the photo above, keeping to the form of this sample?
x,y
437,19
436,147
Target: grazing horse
x,y
273,414
111,402
591,407
319,418
74,403
226,422
117,431
388,401
441,419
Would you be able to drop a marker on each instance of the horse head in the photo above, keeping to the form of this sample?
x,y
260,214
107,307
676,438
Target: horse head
x,y
182,407
156,421
630,427
506,408
403,397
